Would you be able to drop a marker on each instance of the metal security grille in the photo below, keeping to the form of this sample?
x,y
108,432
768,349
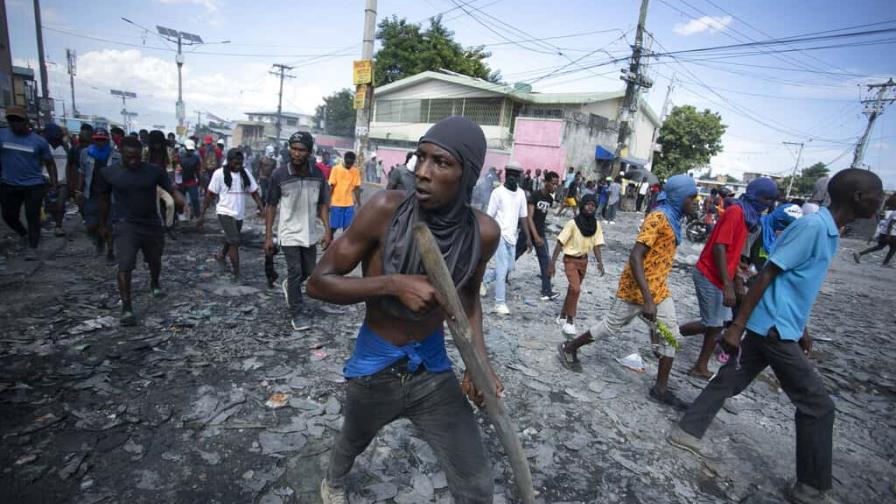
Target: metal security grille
x,y
483,111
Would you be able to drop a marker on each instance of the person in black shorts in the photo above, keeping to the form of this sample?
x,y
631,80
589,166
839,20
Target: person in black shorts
x,y
136,225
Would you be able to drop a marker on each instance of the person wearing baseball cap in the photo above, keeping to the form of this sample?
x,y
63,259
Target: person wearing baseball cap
x,y
99,154
188,178
302,194
22,182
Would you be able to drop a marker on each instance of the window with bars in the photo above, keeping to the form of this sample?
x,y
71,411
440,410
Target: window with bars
x,y
483,111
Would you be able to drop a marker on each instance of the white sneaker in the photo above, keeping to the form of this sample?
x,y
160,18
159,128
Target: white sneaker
x,y
483,290
502,309
569,329
612,222
332,495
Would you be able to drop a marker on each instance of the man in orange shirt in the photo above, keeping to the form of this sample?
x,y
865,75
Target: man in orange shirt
x,y
345,180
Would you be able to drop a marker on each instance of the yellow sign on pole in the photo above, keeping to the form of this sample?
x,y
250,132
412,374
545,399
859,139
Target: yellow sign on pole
x,y
363,72
360,96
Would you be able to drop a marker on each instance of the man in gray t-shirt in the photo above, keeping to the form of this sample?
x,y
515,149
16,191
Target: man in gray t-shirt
x,y
302,194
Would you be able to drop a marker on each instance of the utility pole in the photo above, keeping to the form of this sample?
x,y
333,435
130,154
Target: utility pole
x,y
362,118
125,115
656,131
71,64
44,105
281,72
795,167
873,109
634,81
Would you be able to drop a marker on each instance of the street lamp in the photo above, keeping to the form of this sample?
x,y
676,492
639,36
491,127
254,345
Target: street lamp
x,y
125,115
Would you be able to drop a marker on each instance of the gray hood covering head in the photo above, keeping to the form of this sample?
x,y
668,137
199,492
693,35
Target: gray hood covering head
x,y
454,225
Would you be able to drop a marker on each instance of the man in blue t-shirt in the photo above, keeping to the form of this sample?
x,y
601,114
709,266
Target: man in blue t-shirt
x,y
774,314
22,152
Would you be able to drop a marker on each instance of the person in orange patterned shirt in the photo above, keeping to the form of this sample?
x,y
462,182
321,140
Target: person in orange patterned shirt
x,y
643,288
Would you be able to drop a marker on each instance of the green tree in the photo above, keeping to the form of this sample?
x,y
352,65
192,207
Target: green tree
x,y
408,49
804,183
689,139
337,114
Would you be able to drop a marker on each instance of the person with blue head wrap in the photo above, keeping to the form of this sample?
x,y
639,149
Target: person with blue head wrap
x,y
643,289
775,222
714,275
677,189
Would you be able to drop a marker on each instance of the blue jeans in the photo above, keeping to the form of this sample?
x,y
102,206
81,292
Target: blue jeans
x,y
504,259
192,192
610,213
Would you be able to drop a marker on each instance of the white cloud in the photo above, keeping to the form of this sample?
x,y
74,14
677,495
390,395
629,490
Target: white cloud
x,y
210,5
711,24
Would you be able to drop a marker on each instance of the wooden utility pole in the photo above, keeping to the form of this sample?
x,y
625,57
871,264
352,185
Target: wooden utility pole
x,y
44,106
634,82
362,117
873,109
281,72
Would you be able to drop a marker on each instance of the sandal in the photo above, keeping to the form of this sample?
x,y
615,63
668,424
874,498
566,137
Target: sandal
x,y
569,360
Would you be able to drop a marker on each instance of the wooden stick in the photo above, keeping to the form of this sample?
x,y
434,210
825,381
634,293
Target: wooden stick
x,y
462,333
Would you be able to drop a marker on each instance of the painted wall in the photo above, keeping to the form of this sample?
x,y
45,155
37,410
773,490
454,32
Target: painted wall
x,y
538,144
395,156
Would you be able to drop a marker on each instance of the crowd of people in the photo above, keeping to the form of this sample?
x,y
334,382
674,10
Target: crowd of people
x,y
755,281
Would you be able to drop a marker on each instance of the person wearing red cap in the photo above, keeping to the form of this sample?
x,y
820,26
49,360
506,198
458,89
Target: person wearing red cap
x,y
21,179
99,154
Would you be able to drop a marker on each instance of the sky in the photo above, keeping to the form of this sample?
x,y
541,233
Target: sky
x,y
765,97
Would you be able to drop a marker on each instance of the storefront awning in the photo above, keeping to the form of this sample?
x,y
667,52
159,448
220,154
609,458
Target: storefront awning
x,y
602,153
633,162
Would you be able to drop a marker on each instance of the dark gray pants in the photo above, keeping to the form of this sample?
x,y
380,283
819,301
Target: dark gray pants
x,y
300,262
544,261
814,408
436,406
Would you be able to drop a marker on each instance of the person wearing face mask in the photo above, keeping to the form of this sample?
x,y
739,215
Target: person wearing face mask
x,y
508,206
715,272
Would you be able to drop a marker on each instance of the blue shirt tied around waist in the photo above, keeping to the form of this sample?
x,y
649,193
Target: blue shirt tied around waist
x,y
373,354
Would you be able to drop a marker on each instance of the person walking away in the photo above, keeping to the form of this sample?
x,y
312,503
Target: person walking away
x,y
380,171
482,191
571,196
578,237
402,178
53,134
399,367
211,158
188,181
370,169
714,273
507,205
538,180
99,154
302,196
540,202
345,179
265,169
325,165
231,183
769,331
886,235
22,182
644,289
643,188
131,184
157,152
527,181
613,200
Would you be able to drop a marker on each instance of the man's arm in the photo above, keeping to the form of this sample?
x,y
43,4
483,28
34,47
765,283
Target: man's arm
x,y
524,226
490,234
557,248
323,211
51,171
329,283
720,258
270,211
751,299
536,239
209,196
636,260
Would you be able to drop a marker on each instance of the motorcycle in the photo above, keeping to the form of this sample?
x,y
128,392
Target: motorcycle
x,y
696,230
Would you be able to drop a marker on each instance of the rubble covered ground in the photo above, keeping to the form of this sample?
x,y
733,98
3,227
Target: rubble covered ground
x,y
214,399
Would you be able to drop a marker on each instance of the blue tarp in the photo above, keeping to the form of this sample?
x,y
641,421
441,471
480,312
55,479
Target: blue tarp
x,y
603,154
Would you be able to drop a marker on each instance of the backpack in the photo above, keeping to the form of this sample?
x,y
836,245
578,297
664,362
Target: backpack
x,y
210,160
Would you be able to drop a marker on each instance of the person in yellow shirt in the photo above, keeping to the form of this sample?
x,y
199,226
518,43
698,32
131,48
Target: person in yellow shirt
x,y
578,237
643,288
345,181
